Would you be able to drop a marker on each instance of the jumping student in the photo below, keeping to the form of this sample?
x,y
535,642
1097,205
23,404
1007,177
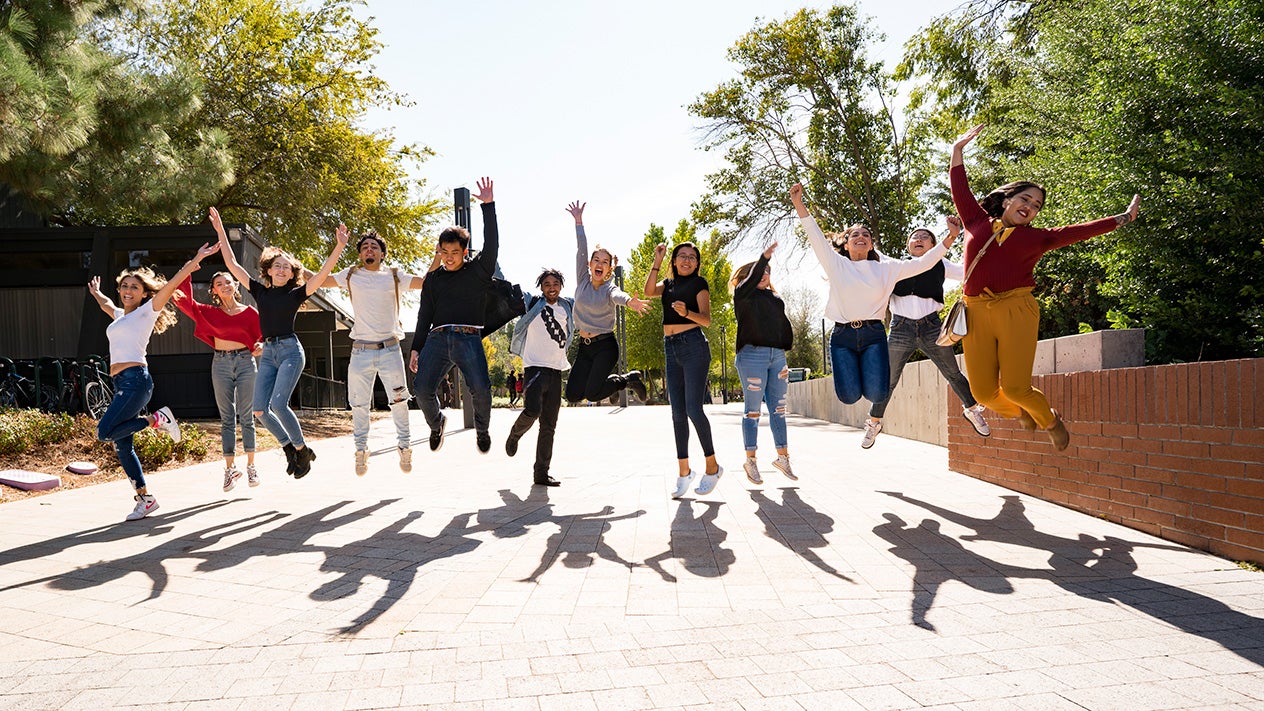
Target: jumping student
x,y
596,298
144,296
686,309
860,286
764,335
1002,316
279,296
231,328
915,305
541,338
450,323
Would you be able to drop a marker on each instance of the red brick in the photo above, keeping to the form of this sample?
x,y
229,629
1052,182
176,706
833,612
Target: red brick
x,y
1118,470
1126,429
1147,445
1253,471
1176,394
1232,393
1252,402
1128,497
1220,386
1146,379
1236,552
1217,516
1176,507
1200,527
1160,476
1086,428
1238,453
1158,432
1108,481
1213,435
1251,539
1140,486
1181,448
1179,535
1252,437
1129,395
1200,482
1128,455
1145,525
1169,461
1219,468
1251,489
1231,501
1116,510
1208,398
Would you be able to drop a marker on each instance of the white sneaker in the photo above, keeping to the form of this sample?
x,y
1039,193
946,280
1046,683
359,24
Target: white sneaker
x,y
872,428
405,459
164,420
252,475
752,470
782,462
145,505
682,484
231,475
975,416
707,484
362,462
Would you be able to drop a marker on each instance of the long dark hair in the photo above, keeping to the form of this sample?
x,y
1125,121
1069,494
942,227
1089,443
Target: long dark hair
x,y
697,270
840,241
994,202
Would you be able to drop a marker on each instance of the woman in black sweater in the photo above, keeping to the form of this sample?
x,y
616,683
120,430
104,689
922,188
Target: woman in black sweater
x,y
763,337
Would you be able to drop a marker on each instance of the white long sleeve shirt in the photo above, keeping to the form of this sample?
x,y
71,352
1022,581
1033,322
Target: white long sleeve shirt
x,y
918,307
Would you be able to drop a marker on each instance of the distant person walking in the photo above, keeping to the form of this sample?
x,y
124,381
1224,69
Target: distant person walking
x,y
511,384
143,296
1002,316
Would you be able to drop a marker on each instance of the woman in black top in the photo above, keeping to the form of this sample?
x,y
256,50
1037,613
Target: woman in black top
x,y
278,298
763,337
686,309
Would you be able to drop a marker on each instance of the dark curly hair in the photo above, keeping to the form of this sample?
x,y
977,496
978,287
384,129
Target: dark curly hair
x,y
539,281
994,202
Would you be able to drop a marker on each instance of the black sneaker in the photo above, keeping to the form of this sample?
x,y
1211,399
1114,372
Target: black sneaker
x,y
511,444
303,462
290,460
636,385
547,480
436,436
484,442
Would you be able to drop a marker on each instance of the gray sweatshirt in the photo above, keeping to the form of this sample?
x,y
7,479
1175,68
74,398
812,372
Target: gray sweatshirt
x,y
594,305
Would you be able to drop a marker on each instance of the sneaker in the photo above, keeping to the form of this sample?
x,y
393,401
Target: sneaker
x,y
405,459
164,420
303,459
682,484
707,484
145,505
511,444
872,428
362,462
231,475
484,442
436,436
782,462
975,416
636,385
1058,433
252,475
752,470
291,458
1026,422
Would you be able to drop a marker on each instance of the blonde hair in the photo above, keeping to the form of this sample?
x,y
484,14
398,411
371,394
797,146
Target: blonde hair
x,y
270,255
152,283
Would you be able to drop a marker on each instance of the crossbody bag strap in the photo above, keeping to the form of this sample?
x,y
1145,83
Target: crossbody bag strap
x,y
974,263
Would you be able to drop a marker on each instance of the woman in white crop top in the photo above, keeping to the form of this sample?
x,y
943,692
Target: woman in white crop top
x,y
144,296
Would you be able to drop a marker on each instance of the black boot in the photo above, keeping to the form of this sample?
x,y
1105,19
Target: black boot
x,y
303,462
290,458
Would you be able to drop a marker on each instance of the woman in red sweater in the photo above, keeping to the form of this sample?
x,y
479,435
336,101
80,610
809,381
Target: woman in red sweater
x,y
232,329
1002,316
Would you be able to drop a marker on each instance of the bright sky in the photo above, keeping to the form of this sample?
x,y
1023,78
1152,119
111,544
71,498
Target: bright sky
x,y
561,101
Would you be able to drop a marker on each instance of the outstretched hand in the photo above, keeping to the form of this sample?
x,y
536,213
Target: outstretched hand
x,y
216,222
206,250
968,136
796,193
768,252
954,225
94,285
342,235
577,211
659,251
484,189
640,306
1130,214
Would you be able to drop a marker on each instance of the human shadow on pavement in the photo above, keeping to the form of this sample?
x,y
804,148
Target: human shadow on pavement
x,y
1105,570
796,525
516,515
697,542
578,537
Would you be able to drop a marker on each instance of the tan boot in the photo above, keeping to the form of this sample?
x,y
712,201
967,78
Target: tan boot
x,y
1025,421
1058,433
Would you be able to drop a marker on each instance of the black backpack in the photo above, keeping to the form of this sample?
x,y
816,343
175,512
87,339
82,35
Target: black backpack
x,y
504,304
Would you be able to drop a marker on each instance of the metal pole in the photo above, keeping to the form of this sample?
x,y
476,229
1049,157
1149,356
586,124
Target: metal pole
x,y
461,389
620,329
724,364
825,363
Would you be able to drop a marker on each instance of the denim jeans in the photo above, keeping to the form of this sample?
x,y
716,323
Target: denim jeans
x,y
444,349
541,399
387,364
132,389
764,380
861,364
233,378
688,357
591,377
279,367
908,335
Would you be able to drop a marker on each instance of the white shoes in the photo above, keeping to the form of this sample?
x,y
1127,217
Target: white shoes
x,y
707,484
872,428
752,471
975,416
252,475
682,484
145,505
164,420
782,462
231,475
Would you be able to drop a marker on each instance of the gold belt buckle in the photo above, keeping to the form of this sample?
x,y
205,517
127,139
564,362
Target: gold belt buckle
x,y
856,324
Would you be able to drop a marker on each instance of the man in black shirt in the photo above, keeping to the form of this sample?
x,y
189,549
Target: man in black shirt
x,y
450,323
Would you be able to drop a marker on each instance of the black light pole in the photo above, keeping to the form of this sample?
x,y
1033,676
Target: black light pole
x,y
461,201
620,329
724,363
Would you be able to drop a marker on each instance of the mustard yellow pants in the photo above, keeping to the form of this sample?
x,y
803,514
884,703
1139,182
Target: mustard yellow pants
x,y
1000,349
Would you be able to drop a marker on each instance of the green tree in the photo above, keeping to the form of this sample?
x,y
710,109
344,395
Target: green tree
x,y
803,308
810,106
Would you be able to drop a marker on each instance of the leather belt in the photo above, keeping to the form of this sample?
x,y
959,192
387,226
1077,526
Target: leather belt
x,y
858,324
375,346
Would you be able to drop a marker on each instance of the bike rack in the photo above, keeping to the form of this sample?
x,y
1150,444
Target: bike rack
x,y
61,380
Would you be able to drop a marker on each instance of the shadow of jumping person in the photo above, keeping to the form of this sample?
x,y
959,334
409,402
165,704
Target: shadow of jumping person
x,y
1110,576
937,559
696,542
796,525
516,515
393,555
578,537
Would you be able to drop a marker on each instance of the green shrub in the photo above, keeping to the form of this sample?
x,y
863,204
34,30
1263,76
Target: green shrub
x,y
21,429
153,448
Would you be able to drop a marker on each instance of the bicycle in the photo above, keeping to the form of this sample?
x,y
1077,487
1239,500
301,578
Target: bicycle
x,y
87,388
18,391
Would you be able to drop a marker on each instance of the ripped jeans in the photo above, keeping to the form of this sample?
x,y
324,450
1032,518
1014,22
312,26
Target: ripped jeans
x,y
387,364
764,380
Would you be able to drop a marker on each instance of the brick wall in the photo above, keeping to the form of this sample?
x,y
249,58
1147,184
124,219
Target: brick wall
x,y
1174,450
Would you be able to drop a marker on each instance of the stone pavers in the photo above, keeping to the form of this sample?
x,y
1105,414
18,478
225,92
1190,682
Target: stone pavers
x,y
880,580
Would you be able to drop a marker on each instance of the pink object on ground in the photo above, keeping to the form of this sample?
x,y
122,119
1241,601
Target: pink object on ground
x,y
81,468
28,480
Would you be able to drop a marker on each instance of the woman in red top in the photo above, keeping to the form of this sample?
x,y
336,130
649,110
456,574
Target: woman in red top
x,y
232,329
1002,317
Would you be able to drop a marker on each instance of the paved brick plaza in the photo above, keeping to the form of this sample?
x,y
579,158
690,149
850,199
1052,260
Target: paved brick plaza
x,y
880,580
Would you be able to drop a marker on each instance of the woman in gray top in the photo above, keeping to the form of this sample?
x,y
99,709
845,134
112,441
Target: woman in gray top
x,y
596,297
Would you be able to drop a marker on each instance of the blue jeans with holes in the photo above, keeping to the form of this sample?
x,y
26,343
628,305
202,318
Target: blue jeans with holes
x,y
132,389
233,378
387,364
442,350
279,367
908,335
688,363
764,380
861,364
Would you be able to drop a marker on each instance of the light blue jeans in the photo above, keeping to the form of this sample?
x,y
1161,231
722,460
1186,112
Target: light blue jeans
x,y
233,378
387,364
764,380
279,367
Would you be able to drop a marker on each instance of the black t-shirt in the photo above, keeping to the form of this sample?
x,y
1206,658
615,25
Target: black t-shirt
x,y
277,306
684,289
459,298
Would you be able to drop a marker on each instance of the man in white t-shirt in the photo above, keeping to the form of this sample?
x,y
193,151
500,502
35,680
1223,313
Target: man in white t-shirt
x,y
375,350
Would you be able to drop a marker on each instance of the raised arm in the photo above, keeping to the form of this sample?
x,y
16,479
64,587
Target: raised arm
x,y
653,286
576,209
751,285
94,288
159,300
953,270
340,243
824,251
959,184
328,282
491,232
226,250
